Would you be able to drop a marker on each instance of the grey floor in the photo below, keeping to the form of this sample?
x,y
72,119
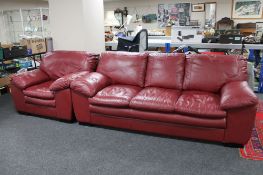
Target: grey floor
x,y
36,146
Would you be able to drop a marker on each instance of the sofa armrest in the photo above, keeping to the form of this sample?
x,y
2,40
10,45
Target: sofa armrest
x,y
64,82
237,95
89,85
30,78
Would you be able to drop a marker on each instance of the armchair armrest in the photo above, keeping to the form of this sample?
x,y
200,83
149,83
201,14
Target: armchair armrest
x,y
64,82
237,95
89,85
30,78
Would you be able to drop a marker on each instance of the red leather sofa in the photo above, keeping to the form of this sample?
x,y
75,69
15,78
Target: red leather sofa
x,y
45,91
195,96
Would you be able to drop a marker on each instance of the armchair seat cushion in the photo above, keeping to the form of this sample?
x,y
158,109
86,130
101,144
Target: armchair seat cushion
x,y
155,99
115,95
40,91
200,104
41,102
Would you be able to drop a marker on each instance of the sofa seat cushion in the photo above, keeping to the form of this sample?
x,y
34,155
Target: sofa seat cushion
x,y
115,95
40,91
200,104
41,102
155,99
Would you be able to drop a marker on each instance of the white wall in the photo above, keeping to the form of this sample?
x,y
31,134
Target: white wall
x,y
77,25
17,4
150,6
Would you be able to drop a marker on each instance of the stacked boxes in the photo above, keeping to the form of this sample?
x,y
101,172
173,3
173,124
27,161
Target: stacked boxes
x,y
34,45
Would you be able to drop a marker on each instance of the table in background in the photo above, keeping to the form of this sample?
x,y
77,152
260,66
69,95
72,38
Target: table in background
x,y
161,43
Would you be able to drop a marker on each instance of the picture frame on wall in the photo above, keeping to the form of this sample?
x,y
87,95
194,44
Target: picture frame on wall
x,y
247,9
259,26
198,7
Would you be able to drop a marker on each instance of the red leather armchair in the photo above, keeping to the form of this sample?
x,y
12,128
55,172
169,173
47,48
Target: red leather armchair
x,y
45,91
198,96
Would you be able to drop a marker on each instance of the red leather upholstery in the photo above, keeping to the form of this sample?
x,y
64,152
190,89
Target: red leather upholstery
x,y
60,63
40,91
26,79
155,99
200,104
43,92
90,84
201,97
163,128
236,95
64,82
159,116
115,95
124,68
129,90
81,110
240,122
160,67
40,102
210,72
22,106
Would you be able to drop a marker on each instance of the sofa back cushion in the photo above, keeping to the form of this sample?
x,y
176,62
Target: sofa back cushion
x,y
165,70
124,67
59,63
211,72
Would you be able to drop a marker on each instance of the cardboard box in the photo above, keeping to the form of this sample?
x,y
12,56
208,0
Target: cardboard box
x,y
37,45
25,42
5,81
7,45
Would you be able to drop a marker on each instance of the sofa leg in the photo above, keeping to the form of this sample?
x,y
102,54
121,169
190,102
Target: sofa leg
x,y
233,145
86,124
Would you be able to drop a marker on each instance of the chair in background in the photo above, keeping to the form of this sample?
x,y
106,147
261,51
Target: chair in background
x,y
139,43
225,24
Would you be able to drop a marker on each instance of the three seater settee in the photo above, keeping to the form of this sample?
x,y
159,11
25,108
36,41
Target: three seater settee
x,y
45,91
195,96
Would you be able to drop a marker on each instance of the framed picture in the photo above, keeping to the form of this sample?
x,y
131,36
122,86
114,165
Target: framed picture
x,y
259,26
198,7
173,13
247,9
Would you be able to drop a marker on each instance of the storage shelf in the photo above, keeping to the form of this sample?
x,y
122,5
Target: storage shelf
x,y
16,22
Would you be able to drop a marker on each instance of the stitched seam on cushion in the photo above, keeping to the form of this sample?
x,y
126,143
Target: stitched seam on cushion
x,y
143,73
189,73
183,65
151,73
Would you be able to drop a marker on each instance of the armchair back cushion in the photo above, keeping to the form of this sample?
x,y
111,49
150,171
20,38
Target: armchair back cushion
x,y
210,72
126,68
59,63
165,70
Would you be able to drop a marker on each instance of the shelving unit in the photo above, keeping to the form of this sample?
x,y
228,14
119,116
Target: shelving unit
x,y
27,22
